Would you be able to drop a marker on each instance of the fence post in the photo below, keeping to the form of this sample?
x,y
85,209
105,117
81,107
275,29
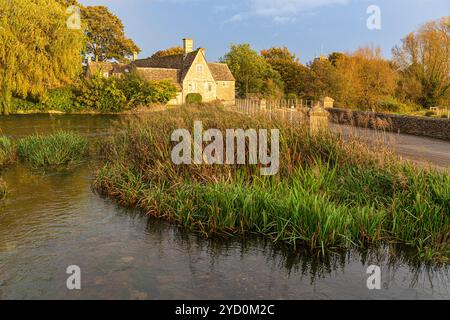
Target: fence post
x,y
318,118
263,105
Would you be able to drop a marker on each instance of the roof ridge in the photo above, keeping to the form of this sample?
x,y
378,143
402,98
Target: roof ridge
x,y
158,68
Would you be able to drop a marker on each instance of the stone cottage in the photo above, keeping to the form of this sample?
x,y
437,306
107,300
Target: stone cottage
x,y
190,72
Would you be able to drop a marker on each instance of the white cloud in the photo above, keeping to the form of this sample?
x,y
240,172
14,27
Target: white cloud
x,y
283,11
285,8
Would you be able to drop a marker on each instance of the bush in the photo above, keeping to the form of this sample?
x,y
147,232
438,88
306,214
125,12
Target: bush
x,y
391,104
430,114
61,148
124,93
61,99
101,94
136,91
140,92
6,151
194,98
26,105
291,96
162,91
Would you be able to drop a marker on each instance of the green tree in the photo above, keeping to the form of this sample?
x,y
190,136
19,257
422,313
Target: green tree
x,y
324,80
423,60
37,50
292,72
105,35
253,74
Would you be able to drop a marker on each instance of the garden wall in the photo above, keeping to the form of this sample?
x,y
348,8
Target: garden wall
x,y
419,126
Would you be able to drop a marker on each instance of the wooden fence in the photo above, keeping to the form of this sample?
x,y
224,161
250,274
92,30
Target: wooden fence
x,y
251,106
294,111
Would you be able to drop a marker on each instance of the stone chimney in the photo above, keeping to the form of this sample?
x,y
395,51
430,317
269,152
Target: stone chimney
x,y
188,45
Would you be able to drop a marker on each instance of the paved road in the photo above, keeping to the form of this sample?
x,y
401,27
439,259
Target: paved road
x,y
421,150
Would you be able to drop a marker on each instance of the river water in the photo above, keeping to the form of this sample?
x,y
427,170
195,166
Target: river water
x,y
52,220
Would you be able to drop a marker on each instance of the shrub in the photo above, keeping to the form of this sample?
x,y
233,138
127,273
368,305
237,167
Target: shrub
x,y
61,99
6,151
430,114
101,94
140,92
391,104
26,105
194,98
163,91
291,96
124,93
61,148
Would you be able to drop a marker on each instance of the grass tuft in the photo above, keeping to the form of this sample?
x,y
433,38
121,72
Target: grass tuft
x,y
7,151
59,149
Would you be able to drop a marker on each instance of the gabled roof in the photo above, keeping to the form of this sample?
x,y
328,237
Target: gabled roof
x,y
178,61
157,74
221,72
173,67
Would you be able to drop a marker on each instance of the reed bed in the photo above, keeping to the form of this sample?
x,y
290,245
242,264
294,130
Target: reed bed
x,y
7,151
330,193
59,149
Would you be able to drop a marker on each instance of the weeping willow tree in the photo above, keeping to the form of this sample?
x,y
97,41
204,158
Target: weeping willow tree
x,y
38,51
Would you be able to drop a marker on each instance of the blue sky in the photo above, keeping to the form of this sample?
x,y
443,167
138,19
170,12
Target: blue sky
x,y
306,27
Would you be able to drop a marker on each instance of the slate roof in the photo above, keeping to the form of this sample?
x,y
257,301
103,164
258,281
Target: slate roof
x,y
221,72
173,67
178,61
157,74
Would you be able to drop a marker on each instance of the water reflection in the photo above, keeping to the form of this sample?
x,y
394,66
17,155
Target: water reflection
x,y
52,220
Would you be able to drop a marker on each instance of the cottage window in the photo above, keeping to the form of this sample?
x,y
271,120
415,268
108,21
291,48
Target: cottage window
x,y
208,86
192,87
106,74
199,68
225,84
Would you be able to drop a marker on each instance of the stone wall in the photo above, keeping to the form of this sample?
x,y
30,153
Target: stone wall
x,y
419,126
226,92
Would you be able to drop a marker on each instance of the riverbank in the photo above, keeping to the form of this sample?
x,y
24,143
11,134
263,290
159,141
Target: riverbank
x,y
137,110
329,194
